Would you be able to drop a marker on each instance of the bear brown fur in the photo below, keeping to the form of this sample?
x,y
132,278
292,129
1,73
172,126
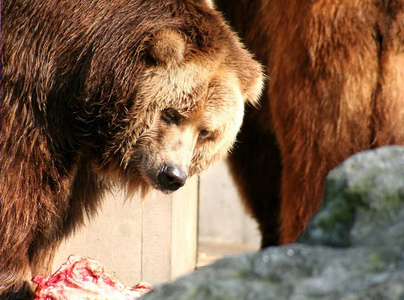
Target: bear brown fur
x,y
141,93
336,87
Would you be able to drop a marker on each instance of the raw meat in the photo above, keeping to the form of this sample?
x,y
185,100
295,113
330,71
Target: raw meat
x,y
84,278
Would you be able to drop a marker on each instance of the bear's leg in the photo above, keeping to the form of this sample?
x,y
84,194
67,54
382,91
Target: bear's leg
x,y
256,168
21,268
301,195
14,279
15,238
21,292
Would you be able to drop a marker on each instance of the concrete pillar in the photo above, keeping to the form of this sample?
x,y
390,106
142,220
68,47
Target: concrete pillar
x,y
154,240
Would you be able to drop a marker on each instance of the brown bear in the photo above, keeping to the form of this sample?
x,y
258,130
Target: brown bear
x,y
96,92
336,87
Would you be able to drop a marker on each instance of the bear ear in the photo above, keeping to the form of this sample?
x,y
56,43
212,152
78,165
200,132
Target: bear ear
x,y
253,79
255,90
167,47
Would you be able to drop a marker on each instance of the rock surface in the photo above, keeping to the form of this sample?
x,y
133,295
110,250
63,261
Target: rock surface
x,y
352,249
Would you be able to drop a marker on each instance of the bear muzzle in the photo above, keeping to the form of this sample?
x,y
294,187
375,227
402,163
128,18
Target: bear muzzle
x,y
171,177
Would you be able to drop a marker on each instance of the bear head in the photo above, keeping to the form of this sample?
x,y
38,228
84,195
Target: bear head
x,y
164,95
196,105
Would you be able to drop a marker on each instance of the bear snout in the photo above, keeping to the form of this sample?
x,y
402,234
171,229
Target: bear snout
x,y
171,177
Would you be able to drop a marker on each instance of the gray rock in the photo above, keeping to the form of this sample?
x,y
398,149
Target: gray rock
x,y
352,249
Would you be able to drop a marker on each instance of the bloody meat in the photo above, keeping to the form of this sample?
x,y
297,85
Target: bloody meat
x,y
84,278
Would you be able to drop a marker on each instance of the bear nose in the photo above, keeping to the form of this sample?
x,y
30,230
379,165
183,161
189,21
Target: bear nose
x,y
171,177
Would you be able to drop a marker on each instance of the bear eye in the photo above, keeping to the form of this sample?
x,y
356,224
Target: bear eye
x,y
171,116
203,134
